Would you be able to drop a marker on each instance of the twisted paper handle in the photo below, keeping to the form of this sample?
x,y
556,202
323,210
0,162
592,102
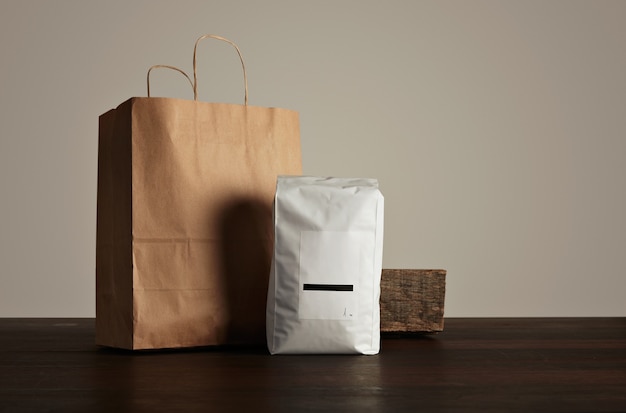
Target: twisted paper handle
x,y
194,83
167,67
243,66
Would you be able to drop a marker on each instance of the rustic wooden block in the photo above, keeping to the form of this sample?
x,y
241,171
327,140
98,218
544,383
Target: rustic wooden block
x,y
412,301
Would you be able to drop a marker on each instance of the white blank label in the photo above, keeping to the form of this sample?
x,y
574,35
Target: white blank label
x,y
331,265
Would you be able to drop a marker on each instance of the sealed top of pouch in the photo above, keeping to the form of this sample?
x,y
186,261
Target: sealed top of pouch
x,y
287,181
327,202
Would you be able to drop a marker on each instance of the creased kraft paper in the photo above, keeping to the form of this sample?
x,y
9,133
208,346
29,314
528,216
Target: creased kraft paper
x,y
184,222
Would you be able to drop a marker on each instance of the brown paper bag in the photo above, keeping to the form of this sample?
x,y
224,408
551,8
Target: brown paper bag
x,y
184,219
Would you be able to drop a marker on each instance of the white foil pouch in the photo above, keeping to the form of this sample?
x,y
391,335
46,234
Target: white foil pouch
x,y
324,286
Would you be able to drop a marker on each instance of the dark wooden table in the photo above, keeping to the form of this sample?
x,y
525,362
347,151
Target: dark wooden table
x,y
529,365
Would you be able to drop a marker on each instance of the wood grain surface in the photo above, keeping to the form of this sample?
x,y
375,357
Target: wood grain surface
x,y
475,365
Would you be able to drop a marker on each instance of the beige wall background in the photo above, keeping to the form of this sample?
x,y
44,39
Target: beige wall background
x,y
497,130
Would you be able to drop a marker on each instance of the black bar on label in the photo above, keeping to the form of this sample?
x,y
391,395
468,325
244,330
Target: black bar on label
x,y
328,287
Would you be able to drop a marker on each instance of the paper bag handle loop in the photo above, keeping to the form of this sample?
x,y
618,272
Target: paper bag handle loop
x,y
243,66
166,67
